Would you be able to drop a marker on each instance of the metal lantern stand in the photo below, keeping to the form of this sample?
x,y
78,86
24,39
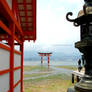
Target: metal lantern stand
x,y
84,20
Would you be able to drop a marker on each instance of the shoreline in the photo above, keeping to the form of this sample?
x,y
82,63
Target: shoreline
x,y
56,82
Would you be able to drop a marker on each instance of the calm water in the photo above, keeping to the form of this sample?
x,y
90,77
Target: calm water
x,y
57,63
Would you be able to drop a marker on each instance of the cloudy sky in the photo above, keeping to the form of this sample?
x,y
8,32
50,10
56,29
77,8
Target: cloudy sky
x,y
52,26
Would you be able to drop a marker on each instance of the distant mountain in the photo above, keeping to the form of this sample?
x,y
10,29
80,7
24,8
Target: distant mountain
x,y
62,53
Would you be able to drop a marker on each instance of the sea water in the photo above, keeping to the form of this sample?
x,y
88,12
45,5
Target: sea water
x,y
53,63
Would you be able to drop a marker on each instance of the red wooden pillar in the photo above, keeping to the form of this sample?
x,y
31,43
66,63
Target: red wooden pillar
x,y
13,6
12,28
41,59
21,49
48,59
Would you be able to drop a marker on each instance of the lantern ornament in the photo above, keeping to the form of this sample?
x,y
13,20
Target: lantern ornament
x,y
84,20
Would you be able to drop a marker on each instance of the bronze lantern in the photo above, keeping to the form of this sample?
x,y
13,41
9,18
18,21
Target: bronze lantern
x,y
84,20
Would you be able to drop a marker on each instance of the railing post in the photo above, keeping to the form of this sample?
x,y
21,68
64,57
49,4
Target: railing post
x,y
72,78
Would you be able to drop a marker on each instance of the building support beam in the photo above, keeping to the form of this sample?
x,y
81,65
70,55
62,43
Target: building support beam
x,y
11,41
22,50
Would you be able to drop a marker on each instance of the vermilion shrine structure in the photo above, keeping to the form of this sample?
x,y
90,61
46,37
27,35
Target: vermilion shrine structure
x,y
45,54
17,24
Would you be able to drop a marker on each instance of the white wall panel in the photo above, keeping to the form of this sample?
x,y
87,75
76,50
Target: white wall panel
x,y
17,60
16,76
4,83
4,59
5,64
17,89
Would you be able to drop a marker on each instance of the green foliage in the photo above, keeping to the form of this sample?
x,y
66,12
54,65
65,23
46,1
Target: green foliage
x,y
57,83
53,83
34,75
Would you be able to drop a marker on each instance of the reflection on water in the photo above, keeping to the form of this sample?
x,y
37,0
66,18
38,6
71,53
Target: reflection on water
x,y
57,63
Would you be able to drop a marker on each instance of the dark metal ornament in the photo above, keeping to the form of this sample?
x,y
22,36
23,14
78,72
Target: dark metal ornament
x,y
84,46
86,1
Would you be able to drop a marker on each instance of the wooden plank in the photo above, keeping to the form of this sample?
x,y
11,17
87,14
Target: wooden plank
x,y
80,74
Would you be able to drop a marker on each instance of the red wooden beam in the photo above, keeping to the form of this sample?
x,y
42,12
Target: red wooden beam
x,y
13,7
29,33
18,40
4,71
16,84
15,44
7,30
28,16
28,26
16,68
5,47
44,54
10,14
24,10
34,18
26,22
3,26
28,38
8,48
26,3
17,52
5,38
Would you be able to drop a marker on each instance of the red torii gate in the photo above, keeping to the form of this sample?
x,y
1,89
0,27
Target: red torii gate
x,y
45,54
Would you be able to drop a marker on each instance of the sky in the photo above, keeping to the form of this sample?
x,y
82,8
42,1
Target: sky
x,y
52,27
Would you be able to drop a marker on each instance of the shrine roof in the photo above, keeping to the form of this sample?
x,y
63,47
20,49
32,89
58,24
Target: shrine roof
x,y
27,16
24,18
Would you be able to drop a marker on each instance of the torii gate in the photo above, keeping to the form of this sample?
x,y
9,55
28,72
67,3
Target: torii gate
x,y
45,54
